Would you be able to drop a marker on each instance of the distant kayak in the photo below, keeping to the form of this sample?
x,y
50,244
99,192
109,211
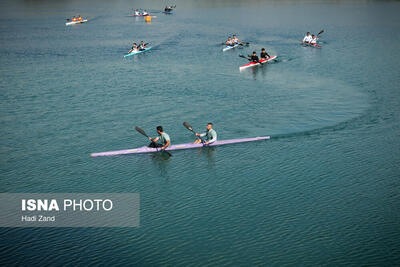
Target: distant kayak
x,y
229,47
137,52
146,149
253,64
132,15
75,22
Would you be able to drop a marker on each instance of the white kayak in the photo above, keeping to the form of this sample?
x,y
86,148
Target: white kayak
x,y
229,47
75,22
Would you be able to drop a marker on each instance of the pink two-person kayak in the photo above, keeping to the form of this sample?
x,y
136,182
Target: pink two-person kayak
x,y
145,149
253,64
312,45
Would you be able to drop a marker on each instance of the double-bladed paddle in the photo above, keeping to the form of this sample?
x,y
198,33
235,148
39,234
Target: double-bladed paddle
x,y
140,130
320,32
245,57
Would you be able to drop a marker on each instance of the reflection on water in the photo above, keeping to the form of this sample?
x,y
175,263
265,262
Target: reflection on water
x,y
208,153
161,161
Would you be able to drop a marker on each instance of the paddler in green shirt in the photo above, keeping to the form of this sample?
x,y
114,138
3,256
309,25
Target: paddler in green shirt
x,y
210,134
162,137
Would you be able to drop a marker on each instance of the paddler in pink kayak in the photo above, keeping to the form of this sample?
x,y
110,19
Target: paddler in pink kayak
x,y
264,54
163,137
314,40
253,57
210,134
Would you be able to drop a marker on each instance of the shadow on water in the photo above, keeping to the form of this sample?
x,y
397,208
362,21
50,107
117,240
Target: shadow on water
x,y
209,154
261,70
161,161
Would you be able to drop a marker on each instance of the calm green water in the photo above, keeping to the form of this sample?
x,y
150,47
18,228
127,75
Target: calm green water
x,y
324,190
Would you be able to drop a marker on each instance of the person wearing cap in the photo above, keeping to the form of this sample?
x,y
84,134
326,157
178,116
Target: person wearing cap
x,y
210,134
162,138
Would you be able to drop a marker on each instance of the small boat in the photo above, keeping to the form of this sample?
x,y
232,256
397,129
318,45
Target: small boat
x,y
253,64
137,52
145,149
133,15
229,47
75,22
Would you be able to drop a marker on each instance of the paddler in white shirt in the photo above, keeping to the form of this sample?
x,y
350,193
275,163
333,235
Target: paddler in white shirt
x,y
163,137
229,42
137,13
314,39
142,46
210,134
307,39
145,13
134,48
235,40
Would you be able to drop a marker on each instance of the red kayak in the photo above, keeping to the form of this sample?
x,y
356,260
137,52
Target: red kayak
x,y
312,45
253,64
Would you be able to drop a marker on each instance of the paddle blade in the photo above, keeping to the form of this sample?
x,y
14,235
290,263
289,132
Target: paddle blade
x,y
242,56
187,125
140,130
320,32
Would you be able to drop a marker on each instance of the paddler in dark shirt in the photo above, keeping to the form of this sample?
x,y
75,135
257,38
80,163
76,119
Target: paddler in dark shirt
x,y
253,57
264,54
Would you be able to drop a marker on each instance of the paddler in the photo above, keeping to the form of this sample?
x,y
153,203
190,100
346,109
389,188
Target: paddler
x,y
145,13
264,54
229,42
253,57
142,46
314,39
137,13
134,48
73,18
235,40
163,138
80,18
307,38
210,134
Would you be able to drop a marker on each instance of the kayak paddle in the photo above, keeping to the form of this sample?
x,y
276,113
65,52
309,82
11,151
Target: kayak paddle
x,y
190,128
140,130
245,57
320,32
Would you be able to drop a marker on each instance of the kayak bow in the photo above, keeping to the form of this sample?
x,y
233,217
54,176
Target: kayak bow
x,y
252,64
145,149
